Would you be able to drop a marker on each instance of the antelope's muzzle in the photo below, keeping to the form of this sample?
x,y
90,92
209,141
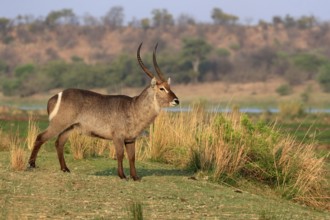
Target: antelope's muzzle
x,y
175,102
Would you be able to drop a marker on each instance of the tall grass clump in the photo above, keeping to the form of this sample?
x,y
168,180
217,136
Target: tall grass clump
x,y
18,158
229,147
4,141
135,211
291,110
82,146
32,133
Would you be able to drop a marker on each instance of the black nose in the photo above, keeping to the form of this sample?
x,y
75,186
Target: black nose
x,y
177,101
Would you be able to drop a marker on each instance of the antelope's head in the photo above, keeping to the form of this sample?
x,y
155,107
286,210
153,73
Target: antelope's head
x,y
160,86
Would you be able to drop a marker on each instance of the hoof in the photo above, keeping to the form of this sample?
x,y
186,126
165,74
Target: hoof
x,y
123,177
136,178
31,165
66,170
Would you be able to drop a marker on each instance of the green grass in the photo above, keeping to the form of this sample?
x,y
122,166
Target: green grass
x,y
308,131
94,191
20,126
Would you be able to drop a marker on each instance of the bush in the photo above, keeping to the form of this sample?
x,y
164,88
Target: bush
x,y
284,90
223,52
291,110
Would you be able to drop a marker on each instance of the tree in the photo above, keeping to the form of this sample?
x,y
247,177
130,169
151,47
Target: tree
x,y
306,22
114,18
324,77
24,70
277,20
162,18
4,67
64,16
184,20
220,17
195,50
289,21
90,20
308,63
4,24
145,23
124,70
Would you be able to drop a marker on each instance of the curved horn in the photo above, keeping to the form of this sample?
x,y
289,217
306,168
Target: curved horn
x,y
145,69
160,74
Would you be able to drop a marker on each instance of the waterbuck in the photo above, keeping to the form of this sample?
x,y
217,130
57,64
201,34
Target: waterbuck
x,y
114,117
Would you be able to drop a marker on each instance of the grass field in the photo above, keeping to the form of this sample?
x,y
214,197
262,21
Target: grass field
x,y
94,191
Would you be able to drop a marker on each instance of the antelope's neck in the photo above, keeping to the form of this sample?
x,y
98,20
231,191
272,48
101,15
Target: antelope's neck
x,y
146,109
146,103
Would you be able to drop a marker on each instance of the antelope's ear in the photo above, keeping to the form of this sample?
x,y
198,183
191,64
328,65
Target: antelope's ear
x,y
169,81
153,82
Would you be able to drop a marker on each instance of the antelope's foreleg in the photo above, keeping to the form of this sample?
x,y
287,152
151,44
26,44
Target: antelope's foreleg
x,y
130,149
119,145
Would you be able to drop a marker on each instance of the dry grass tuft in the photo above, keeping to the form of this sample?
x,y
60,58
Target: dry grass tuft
x,y
33,131
18,158
300,174
5,141
83,146
79,145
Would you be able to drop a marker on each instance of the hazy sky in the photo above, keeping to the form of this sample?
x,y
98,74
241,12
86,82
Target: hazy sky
x,y
199,9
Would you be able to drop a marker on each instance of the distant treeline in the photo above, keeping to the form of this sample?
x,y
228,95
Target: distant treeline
x,y
39,54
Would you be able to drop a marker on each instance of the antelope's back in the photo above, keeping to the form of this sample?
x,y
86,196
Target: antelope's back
x,y
88,108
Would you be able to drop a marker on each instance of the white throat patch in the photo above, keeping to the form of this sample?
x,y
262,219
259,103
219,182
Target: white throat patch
x,y
57,107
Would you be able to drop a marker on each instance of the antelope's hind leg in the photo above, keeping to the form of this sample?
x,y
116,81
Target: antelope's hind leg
x,y
60,142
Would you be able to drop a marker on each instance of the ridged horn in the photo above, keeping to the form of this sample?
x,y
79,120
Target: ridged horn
x,y
159,72
144,68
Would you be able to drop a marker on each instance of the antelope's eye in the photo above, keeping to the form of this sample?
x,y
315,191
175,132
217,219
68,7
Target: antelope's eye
x,y
161,89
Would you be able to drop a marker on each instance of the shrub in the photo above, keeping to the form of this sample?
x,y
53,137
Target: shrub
x,y
223,52
284,90
291,110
